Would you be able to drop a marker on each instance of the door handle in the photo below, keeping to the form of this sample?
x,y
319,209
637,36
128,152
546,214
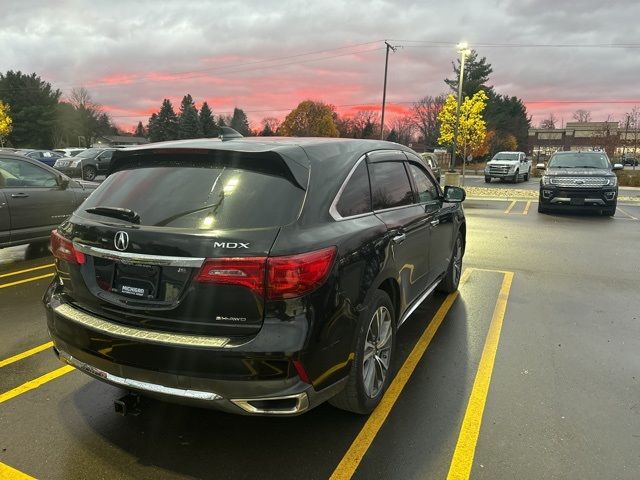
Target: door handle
x,y
399,238
19,195
435,222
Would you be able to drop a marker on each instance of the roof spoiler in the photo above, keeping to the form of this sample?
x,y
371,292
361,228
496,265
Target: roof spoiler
x,y
228,133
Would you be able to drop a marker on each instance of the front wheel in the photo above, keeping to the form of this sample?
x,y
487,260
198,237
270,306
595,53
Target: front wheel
x,y
451,278
526,176
609,212
542,209
89,173
487,179
370,375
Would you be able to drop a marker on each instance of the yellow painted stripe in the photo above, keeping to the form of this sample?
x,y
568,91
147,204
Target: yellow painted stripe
x,y
18,272
26,280
513,204
8,473
462,460
526,207
349,463
627,213
28,353
35,383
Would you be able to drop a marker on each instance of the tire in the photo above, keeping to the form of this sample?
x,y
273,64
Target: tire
x,y
451,278
609,212
360,395
542,209
89,173
487,179
527,175
516,177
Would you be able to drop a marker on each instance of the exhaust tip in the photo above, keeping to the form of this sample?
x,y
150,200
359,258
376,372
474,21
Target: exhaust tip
x,y
284,405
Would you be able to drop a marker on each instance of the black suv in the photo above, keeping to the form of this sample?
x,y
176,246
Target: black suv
x,y
88,164
579,181
256,276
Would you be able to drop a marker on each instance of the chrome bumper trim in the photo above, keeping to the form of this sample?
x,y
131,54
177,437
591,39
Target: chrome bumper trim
x,y
137,384
150,336
139,258
302,403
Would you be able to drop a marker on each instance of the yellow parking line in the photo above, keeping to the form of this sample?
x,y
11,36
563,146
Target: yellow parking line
x,y
18,272
360,445
35,383
627,213
25,354
526,208
513,204
26,280
462,460
8,473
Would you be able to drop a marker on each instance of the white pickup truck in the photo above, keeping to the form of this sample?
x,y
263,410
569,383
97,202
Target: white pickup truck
x,y
512,166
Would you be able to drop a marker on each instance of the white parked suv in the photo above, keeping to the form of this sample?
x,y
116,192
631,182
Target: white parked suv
x,y
512,166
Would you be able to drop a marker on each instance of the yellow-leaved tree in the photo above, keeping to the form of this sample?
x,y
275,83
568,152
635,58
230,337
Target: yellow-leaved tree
x,y
472,128
5,122
310,119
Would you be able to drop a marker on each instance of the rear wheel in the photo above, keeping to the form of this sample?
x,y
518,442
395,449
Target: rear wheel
x,y
451,279
370,371
89,173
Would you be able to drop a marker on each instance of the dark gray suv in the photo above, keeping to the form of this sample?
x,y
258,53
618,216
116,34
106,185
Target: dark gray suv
x,y
88,164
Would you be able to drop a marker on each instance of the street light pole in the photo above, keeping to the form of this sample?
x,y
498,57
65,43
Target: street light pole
x,y
464,51
384,89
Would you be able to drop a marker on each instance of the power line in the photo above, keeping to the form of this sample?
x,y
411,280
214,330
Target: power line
x,y
431,44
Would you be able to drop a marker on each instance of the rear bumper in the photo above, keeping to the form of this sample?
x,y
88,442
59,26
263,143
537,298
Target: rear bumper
x,y
237,377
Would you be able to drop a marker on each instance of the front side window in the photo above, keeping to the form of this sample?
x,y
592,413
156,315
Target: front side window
x,y
356,196
16,173
426,189
390,185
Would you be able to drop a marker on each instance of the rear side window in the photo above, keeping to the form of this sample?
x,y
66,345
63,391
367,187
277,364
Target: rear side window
x,y
390,185
206,197
356,196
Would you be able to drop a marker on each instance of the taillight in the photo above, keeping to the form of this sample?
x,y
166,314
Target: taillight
x,y
62,249
247,272
296,275
286,277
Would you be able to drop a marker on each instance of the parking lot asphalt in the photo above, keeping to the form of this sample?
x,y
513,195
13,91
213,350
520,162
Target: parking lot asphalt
x,y
531,371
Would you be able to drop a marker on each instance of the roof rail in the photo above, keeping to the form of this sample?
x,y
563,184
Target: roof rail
x,y
228,133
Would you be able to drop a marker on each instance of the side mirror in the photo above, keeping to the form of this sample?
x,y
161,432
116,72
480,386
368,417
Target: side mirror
x,y
454,194
540,166
618,166
63,182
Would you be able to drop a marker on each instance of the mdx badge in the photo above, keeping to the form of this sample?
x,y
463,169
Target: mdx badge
x,y
228,244
121,241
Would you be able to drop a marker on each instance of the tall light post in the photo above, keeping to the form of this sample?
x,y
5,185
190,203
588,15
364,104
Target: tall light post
x,y
384,89
464,51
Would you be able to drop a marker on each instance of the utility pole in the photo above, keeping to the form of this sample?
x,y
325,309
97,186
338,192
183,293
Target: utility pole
x,y
384,89
464,51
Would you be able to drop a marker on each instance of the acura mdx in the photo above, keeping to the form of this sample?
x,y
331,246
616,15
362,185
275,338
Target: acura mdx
x,y
254,275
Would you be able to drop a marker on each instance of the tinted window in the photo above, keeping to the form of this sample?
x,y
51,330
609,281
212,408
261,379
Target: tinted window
x,y
15,173
205,197
356,196
427,190
390,185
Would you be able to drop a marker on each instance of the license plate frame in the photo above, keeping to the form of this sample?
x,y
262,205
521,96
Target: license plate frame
x,y
137,281
577,202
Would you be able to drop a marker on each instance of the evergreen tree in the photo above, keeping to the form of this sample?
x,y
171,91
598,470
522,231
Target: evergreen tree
x,y
188,122
221,121
207,124
165,125
140,130
33,105
393,136
266,131
476,75
240,123
507,117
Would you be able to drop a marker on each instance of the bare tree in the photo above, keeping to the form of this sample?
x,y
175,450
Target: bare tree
x,y
605,138
549,123
405,128
424,114
581,115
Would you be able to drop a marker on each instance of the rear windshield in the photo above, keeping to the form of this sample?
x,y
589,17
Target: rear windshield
x,y
201,197
580,160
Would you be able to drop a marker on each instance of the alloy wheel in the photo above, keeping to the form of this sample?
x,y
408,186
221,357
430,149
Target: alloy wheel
x,y
377,351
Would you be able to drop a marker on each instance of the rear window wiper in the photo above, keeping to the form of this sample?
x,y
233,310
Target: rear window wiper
x,y
115,212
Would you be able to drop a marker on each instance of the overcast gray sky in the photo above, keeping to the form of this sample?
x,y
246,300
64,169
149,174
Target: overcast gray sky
x,y
267,56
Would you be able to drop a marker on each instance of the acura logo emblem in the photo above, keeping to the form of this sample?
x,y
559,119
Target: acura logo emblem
x,y
121,241
580,182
